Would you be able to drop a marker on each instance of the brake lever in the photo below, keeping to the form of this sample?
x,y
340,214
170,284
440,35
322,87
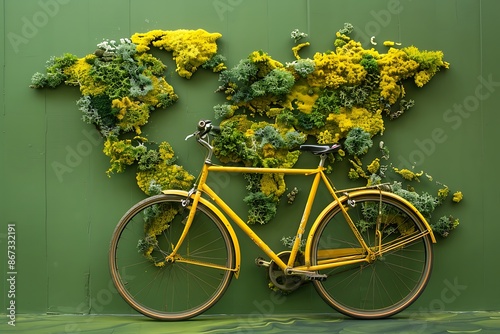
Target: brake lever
x,y
191,135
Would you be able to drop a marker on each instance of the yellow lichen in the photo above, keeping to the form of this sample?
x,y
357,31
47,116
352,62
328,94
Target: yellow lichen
x,y
374,166
443,193
191,48
268,151
79,75
168,177
408,174
122,153
131,114
165,214
265,65
302,97
273,184
357,170
298,47
160,88
347,119
326,137
430,62
342,68
164,173
394,67
457,196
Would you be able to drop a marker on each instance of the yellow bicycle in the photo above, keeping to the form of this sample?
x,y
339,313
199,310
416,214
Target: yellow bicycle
x,y
368,253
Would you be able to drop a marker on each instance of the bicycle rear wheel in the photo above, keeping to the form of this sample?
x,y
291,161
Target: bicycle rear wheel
x,y
147,234
394,279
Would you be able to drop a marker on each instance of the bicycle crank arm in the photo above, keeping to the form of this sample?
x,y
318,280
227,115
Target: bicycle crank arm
x,y
308,275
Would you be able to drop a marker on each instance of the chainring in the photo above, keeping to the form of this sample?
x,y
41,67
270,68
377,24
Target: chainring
x,y
279,281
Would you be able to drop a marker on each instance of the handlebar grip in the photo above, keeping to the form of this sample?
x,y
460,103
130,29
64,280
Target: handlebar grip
x,y
215,129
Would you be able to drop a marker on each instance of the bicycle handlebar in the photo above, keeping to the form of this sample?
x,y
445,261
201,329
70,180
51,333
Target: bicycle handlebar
x,y
204,127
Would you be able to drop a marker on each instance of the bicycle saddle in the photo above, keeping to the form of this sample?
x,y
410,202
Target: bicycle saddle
x,y
320,149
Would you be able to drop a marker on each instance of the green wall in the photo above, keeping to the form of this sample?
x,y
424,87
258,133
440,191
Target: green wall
x,y
64,220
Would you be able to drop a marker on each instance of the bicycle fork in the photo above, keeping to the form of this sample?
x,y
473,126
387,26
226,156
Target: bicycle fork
x,y
172,257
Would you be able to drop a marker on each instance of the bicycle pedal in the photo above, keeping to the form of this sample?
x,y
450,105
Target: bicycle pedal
x,y
316,277
261,262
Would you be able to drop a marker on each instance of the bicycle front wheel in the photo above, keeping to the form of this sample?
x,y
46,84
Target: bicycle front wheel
x,y
176,290
389,282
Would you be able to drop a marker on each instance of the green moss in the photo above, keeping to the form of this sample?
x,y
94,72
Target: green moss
x,y
328,102
122,153
347,28
113,76
286,118
269,134
223,111
215,63
97,110
303,67
424,202
230,145
445,225
261,207
166,100
55,72
358,142
314,120
369,63
236,81
297,35
150,64
278,82
149,160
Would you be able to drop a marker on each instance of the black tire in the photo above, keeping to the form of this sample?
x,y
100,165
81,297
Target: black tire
x,y
170,291
391,282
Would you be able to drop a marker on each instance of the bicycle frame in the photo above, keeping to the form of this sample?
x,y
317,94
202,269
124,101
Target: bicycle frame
x,y
350,256
333,258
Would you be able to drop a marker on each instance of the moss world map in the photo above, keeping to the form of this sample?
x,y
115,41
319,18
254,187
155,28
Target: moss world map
x,y
271,108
